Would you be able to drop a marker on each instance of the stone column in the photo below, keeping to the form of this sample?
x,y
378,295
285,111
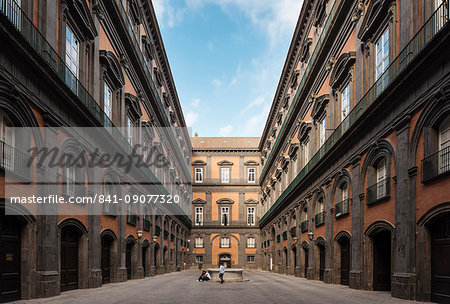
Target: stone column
x,y
242,207
161,243
47,268
310,271
298,234
122,270
404,278
356,271
152,246
208,208
94,245
329,269
288,246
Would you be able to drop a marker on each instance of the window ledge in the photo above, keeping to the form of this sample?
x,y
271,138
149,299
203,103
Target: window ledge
x,y
379,200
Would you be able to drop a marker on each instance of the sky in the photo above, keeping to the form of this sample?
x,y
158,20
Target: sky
x,y
226,58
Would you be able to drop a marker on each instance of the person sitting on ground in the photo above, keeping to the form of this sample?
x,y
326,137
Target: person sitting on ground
x,y
206,277
202,276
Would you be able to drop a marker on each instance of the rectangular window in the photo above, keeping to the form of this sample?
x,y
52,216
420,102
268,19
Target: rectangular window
x,y
225,242
225,173
306,148
381,176
198,216
69,177
251,175
224,215
11,8
130,131
251,242
107,101
322,132
251,216
345,103
198,259
198,242
382,60
72,59
198,175
250,259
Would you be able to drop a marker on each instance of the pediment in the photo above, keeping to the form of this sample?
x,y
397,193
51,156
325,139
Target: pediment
x,y
341,69
198,162
113,69
134,108
251,201
82,16
225,163
374,16
225,201
198,201
319,106
305,128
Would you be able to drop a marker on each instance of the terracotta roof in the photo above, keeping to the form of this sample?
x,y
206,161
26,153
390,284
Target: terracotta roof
x,y
225,142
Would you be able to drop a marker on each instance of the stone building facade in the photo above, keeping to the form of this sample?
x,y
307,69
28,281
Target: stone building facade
x,y
225,208
87,63
355,149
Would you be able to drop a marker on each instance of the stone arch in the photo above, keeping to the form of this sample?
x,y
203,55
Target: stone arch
x,y
382,148
432,115
342,252
424,248
374,229
75,223
343,176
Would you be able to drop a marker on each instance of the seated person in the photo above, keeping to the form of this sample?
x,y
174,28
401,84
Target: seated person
x,y
202,276
206,277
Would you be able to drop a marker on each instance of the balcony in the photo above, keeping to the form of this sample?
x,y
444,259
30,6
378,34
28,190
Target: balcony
x,y
284,235
379,192
14,160
319,219
166,234
436,165
342,208
146,224
157,230
304,226
278,238
416,45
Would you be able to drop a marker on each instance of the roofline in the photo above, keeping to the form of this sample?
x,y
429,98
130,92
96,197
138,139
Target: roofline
x,y
286,69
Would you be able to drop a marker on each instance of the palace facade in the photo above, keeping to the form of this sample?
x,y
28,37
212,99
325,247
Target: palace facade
x,y
81,63
355,152
225,207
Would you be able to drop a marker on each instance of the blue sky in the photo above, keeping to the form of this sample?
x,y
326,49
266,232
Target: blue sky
x,y
226,58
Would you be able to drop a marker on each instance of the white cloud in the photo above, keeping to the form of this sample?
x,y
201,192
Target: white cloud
x,y
226,130
257,122
195,102
216,83
256,102
191,118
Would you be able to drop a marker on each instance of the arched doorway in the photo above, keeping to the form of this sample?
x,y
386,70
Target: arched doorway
x,y
157,256
285,257
382,260
128,255
225,260
344,243
10,258
107,242
69,257
440,262
306,262
294,258
165,257
145,248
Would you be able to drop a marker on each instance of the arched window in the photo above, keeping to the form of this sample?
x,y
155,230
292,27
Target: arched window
x,y
7,138
342,200
444,146
304,223
320,212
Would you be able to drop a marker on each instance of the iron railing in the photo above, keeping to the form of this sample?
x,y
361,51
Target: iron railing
x,y
166,234
342,208
319,218
284,235
378,192
157,230
435,165
304,226
278,238
14,160
437,21
13,12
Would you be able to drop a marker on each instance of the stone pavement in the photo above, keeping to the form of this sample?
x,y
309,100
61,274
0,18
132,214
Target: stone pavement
x,y
182,287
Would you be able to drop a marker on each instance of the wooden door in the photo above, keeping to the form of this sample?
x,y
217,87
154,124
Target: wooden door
x,y
69,259
345,260
321,261
128,260
382,261
10,258
106,259
440,260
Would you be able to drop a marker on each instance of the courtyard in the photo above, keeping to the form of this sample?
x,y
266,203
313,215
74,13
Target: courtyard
x,y
182,287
